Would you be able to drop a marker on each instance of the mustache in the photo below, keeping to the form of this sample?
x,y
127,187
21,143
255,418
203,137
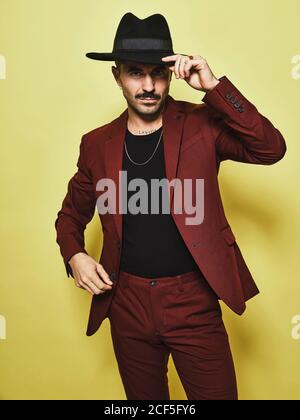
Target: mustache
x,y
148,95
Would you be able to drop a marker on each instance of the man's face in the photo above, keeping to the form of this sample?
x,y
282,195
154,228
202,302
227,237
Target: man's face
x,y
140,81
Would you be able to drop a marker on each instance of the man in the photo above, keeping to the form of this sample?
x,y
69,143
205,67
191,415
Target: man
x,y
161,273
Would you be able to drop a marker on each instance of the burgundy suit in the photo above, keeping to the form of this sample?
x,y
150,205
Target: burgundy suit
x,y
197,137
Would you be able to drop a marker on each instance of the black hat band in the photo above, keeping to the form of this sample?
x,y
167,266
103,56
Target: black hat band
x,y
142,44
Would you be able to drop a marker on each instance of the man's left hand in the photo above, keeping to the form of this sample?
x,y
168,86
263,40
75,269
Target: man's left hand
x,y
194,70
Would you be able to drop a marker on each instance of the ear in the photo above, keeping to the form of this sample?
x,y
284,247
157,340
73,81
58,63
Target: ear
x,y
116,73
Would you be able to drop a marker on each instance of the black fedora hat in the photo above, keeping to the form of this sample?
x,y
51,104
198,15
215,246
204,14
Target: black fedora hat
x,y
141,40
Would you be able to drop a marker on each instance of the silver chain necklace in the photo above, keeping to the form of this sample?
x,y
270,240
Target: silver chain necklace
x,y
148,160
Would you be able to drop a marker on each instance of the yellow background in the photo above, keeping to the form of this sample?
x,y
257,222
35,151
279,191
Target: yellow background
x,y
53,94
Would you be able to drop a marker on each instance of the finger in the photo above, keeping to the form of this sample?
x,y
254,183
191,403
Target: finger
x,y
104,276
198,60
94,281
97,290
177,63
88,283
99,284
170,57
179,69
172,68
187,68
189,65
182,67
81,285
100,278
88,289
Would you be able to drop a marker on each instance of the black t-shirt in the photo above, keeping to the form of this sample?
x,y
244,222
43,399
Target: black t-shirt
x,y
152,245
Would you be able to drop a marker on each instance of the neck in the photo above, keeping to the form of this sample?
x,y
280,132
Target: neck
x,y
139,125
143,130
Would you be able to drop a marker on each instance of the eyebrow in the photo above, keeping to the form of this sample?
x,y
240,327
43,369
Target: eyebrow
x,y
134,68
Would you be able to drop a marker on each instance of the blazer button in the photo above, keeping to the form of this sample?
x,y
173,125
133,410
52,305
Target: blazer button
x,y
233,100
237,104
228,95
241,109
195,244
112,275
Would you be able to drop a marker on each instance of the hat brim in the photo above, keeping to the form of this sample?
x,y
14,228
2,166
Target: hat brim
x,y
140,57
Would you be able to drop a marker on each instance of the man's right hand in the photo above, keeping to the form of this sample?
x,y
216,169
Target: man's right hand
x,y
89,275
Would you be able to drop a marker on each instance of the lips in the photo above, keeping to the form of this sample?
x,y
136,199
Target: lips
x,y
148,99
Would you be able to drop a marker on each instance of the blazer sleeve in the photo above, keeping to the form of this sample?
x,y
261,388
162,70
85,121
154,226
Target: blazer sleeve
x,y
78,208
241,133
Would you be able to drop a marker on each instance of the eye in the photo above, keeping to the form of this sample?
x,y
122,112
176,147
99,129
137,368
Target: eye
x,y
159,72
135,73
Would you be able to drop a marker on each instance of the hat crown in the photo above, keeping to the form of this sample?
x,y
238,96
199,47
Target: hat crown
x,y
152,27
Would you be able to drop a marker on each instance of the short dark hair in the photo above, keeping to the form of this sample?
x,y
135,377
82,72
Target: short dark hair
x,y
118,64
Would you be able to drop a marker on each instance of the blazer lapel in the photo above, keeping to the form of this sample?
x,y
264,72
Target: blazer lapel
x,y
173,121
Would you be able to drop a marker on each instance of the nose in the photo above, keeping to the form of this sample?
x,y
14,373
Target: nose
x,y
148,84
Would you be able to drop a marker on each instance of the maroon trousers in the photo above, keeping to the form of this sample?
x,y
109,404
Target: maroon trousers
x,y
181,315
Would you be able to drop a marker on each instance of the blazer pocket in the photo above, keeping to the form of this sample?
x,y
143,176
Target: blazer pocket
x,y
228,235
186,144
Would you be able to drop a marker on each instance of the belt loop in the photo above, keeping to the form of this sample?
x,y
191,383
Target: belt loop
x,y
180,285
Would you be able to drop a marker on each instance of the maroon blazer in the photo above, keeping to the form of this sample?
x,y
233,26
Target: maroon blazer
x,y
197,137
